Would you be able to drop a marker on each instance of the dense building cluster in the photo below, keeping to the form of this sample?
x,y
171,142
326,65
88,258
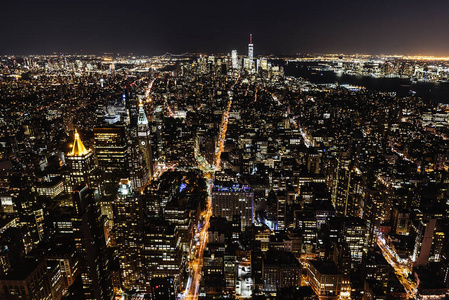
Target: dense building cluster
x,y
414,68
216,177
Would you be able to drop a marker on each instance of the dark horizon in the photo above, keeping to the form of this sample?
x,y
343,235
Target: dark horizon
x,y
142,28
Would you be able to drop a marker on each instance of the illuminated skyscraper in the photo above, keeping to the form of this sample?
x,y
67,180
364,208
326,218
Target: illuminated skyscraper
x,y
264,64
161,251
235,63
82,226
82,165
111,149
127,232
138,171
88,234
250,47
426,239
143,134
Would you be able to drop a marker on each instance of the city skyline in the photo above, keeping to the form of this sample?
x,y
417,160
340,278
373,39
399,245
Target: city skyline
x,y
220,170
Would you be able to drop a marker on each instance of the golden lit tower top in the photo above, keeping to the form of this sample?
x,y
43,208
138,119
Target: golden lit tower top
x,y
78,148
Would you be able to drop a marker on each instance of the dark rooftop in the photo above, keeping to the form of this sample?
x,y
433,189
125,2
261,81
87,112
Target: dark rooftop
x,y
325,267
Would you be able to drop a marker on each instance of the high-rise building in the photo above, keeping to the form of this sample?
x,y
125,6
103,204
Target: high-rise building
x,y
229,271
355,235
281,209
82,227
264,64
88,234
82,165
138,171
143,133
162,255
424,242
230,200
127,232
111,149
246,63
68,262
250,48
147,250
307,222
235,62
353,232
140,152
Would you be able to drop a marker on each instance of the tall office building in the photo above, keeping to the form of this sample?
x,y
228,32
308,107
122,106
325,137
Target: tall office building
x,y
424,242
346,191
235,62
127,232
281,210
231,200
94,263
81,226
264,64
162,254
82,165
111,149
143,134
355,235
138,171
148,248
140,153
130,101
246,63
250,48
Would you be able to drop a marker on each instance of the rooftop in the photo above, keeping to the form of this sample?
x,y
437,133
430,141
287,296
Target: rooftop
x,y
325,267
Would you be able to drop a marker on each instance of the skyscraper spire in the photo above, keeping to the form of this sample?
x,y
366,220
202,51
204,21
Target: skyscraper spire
x,y
250,48
78,148
142,118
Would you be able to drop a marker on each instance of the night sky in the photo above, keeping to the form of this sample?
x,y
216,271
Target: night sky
x,y
279,27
